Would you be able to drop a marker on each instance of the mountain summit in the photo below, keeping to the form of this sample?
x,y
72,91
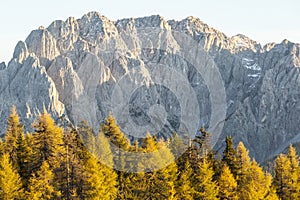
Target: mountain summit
x,y
86,68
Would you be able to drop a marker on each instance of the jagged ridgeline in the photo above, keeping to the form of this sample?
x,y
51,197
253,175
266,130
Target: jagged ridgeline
x,y
71,68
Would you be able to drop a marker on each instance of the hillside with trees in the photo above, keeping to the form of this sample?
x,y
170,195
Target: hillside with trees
x,y
59,162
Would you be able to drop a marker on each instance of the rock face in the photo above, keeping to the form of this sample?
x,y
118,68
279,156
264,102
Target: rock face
x,y
146,71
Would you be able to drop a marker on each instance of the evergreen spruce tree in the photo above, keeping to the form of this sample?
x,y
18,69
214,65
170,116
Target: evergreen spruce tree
x,y
10,181
229,155
24,159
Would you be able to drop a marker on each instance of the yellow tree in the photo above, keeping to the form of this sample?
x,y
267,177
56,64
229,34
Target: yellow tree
x,y
287,175
119,144
253,183
41,184
227,185
184,188
48,141
259,184
10,181
101,182
14,129
205,187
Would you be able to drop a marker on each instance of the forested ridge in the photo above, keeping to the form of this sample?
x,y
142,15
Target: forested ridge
x,y
55,162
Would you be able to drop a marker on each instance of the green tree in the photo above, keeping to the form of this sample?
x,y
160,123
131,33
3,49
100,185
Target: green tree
x,y
229,156
10,181
24,159
41,184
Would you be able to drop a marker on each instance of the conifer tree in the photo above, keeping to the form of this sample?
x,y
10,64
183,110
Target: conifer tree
x,y
71,173
227,185
48,138
119,144
87,135
14,129
114,134
102,180
205,187
10,181
24,159
41,184
287,175
229,155
258,185
184,187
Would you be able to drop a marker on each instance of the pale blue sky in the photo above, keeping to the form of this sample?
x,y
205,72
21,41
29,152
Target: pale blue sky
x,y
262,20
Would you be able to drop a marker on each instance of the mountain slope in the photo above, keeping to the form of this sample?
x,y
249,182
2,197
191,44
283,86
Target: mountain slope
x,y
144,69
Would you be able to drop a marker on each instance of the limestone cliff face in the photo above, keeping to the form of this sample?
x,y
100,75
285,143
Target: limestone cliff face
x,y
85,68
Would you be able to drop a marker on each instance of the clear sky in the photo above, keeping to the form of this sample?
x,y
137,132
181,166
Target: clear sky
x,y
262,20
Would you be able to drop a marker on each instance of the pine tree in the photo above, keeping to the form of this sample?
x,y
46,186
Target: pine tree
x,y
227,185
287,175
102,180
113,132
71,173
48,140
229,155
119,145
41,184
10,181
253,183
243,164
294,183
87,135
184,187
14,129
205,187
24,159
103,150
258,183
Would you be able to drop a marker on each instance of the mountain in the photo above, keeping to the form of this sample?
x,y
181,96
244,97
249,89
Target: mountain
x,y
157,75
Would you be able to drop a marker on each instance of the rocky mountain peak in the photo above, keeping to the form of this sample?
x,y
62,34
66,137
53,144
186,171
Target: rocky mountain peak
x,y
72,67
2,66
242,41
